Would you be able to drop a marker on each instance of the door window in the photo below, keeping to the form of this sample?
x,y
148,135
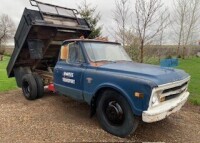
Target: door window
x,y
75,54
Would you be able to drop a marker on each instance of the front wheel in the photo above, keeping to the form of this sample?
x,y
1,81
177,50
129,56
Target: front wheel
x,y
115,115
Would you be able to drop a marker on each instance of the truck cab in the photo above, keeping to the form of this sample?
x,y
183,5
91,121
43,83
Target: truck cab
x,y
48,51
78,58
102,74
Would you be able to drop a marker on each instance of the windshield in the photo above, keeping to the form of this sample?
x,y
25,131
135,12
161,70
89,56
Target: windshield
x,y
105,52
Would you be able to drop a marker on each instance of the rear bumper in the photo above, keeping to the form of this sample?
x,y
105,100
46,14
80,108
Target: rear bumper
x,y
165,109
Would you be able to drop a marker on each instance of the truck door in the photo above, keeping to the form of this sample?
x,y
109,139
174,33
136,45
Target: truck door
x,y
68,73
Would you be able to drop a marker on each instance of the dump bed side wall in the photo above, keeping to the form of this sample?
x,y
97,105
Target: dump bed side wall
x,y
20,38
33,27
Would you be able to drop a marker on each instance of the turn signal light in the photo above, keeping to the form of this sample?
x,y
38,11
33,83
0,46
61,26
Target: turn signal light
x,y
162,99
139,95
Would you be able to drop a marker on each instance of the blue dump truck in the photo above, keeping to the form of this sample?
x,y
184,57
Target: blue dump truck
x,y
121,92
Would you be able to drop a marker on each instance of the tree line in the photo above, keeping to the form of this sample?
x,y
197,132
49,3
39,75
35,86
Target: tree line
x,y
153,22
150,22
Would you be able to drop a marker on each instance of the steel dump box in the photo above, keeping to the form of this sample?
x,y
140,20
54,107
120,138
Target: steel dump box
x,y
40,35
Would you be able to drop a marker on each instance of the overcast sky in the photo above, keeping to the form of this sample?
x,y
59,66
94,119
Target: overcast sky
x,y
15,8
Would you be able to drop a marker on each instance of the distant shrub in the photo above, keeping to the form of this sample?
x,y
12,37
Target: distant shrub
x,y
7,54
169,57
179,56
2,51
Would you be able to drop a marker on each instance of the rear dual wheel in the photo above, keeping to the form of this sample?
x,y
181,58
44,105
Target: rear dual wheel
x,y
40,85
32,86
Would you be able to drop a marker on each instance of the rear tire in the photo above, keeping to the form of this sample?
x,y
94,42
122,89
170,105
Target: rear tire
x,y
115,115
29,87
40,85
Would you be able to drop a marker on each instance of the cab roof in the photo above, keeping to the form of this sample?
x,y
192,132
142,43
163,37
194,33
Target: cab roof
x,y
89,40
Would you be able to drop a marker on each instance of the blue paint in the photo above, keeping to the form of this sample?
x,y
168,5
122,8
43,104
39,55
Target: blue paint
x,y
69,89
125,77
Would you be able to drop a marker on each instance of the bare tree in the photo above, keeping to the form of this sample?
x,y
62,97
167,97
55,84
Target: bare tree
x,y
148,22
186,22
179,17
193,23
7,29
132,44
121,17
161,37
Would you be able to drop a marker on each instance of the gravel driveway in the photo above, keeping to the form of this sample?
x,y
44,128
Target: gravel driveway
x,y
56,118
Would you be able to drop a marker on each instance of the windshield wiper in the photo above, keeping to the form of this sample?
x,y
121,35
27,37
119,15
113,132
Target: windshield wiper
x,y
123,61
104,61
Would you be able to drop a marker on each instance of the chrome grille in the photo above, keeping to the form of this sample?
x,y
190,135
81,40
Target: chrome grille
x,y
173,92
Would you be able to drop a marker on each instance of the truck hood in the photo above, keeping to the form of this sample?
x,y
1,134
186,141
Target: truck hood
x,y
158,75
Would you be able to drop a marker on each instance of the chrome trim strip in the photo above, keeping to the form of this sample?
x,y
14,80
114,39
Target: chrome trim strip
x,y
173,84
177,91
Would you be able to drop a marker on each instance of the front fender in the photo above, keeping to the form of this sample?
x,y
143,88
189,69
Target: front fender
x,y
122,92
124,84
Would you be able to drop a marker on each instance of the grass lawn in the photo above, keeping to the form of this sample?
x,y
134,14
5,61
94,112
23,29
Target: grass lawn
x,y
192,66
5,83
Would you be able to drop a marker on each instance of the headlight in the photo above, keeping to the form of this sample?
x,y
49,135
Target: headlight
x,y
155,100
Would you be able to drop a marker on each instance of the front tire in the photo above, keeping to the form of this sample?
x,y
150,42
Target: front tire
x,y
29,87
115,115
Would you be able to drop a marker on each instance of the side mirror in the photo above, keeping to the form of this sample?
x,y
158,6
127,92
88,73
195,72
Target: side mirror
x,y
64,53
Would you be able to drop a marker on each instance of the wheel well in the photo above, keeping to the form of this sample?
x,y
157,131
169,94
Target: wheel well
x,y
96,97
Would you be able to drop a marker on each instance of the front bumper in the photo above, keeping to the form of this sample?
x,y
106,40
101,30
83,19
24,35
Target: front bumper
x,y
164,109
